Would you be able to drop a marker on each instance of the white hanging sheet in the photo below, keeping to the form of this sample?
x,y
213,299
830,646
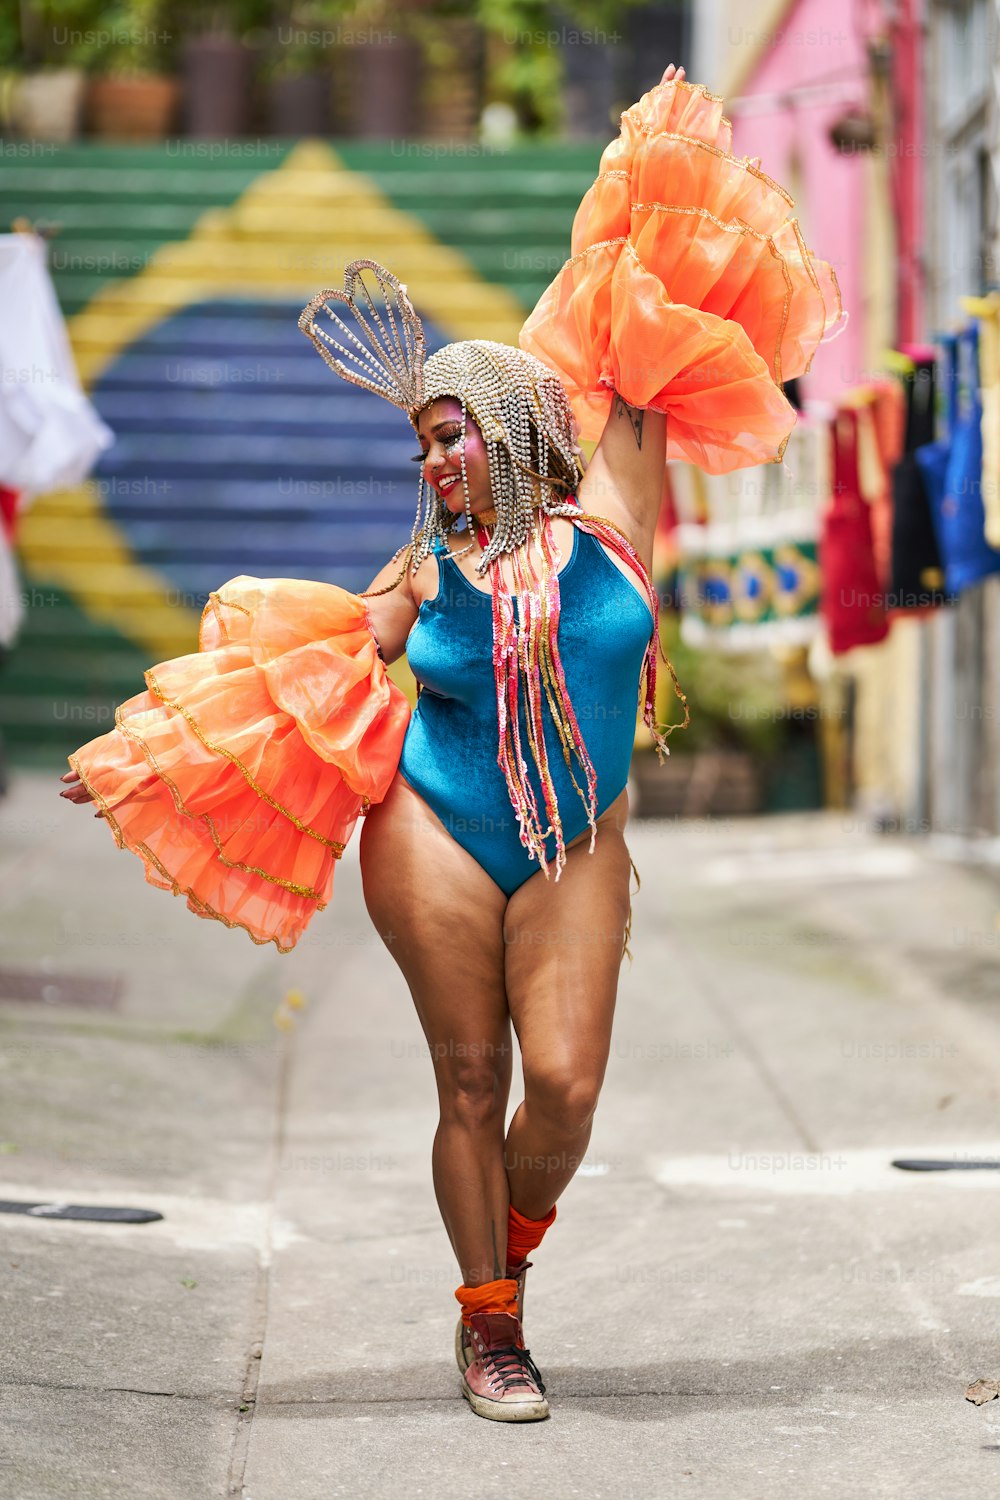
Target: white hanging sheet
x,y
50,434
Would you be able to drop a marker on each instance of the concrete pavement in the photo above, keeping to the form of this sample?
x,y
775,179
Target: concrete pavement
x,y
741,1296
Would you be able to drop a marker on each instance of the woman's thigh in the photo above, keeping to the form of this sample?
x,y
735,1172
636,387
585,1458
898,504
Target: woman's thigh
x,y
564,941
441,917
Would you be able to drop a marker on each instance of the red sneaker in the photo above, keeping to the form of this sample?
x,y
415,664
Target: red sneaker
x,y
503,1382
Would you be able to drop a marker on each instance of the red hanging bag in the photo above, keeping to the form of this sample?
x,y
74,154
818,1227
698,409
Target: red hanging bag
x,y
852,602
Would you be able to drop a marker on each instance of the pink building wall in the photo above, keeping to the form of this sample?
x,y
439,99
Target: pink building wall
x,y
819,46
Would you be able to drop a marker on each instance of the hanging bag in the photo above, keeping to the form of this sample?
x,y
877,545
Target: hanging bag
x,y
917,577
933,457
953,471
852,604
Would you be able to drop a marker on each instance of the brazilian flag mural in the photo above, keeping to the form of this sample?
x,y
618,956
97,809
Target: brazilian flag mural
x,y
182,270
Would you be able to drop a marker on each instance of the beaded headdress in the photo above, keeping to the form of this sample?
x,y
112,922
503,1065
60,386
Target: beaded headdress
x,y
529,433
519,404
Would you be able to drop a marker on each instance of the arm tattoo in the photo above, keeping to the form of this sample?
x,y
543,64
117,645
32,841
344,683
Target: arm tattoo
x,y
635,415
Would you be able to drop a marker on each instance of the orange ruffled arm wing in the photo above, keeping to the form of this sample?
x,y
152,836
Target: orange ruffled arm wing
x,y
239,775
690,289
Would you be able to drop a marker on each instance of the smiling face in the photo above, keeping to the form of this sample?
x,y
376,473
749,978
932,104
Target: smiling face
x,y
439,429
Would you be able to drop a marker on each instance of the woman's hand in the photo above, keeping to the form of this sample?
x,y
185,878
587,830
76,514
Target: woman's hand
x,y
76,791
673,71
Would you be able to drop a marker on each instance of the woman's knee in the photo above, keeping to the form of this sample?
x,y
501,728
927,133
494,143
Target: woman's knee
x,y
473,1092
566,1098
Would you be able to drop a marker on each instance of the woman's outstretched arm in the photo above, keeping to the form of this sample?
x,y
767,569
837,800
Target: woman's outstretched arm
x,y
392,614
624,480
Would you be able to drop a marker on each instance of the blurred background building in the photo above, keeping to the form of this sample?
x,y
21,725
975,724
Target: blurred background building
x,y
199,172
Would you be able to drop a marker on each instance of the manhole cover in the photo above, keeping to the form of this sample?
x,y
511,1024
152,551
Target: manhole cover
x,y
96,1211
92,991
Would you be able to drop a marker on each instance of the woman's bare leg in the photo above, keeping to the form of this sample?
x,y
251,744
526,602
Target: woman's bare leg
x,y
441,917
564,944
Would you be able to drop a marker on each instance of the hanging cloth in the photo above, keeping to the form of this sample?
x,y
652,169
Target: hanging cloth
x,y
952,469
987,310
916,580
50,435
851,602
749,579
11,603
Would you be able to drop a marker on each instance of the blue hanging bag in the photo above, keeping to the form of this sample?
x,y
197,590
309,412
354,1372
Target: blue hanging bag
x,y
953,469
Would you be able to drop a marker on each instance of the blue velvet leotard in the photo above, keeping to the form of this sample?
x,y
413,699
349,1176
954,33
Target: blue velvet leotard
x,y
450,750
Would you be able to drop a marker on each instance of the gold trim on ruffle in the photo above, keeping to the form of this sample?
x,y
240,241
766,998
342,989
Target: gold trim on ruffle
x,y
626,241
195,904
836,287
113,823
682,83
233,864
808,255
737,226
214,600
218,750
202,909
738,161
231,603
807,259
621,239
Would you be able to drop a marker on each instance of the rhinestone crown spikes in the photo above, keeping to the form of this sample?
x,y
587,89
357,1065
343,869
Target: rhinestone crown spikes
x,y
391,363
519,404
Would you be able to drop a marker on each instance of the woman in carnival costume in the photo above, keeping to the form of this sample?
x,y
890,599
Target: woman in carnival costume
x,y
495,811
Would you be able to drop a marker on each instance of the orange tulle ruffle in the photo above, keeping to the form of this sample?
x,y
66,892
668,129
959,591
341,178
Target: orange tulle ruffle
x,y
239,775
690,289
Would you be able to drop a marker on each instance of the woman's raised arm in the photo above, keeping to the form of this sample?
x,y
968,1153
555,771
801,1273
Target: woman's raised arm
x,y
625,473
624,480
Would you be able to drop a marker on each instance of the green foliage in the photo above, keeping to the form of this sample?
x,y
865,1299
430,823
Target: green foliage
x,y
132,37
138,36
736,700
239,18
44,33
10,38
298,37
534,32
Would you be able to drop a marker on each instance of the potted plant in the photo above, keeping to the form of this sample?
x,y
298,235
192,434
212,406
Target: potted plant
x,y
39,42
719,764
217,60
453,46
132,96
298,72
556,63
384,69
